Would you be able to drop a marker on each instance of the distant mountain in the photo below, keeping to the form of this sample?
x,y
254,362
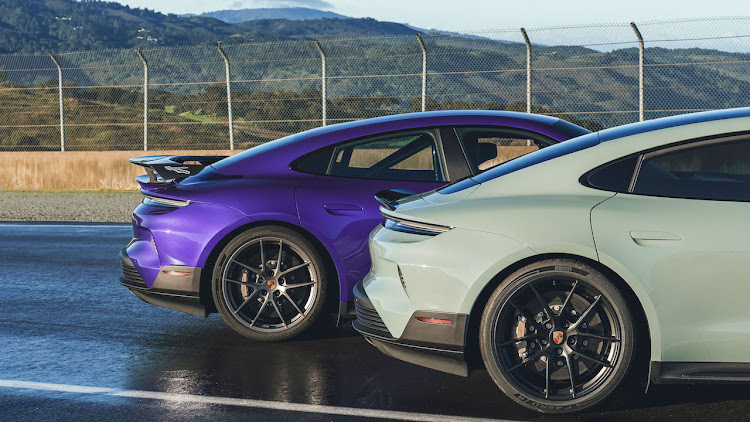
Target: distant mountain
x,y
457,34
289,13
39,26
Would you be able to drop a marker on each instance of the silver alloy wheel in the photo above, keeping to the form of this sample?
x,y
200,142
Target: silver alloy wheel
x,y
270,284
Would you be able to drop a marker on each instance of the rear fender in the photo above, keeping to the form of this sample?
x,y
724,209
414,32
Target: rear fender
x,y
176,238
221,235
345,291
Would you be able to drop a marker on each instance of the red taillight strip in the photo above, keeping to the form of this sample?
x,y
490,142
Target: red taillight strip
x,y
435,321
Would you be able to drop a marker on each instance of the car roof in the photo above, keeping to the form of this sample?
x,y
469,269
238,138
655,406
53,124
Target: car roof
x,y
672,121
447,116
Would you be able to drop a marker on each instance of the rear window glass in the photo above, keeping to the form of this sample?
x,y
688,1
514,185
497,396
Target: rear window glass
x,y
409,156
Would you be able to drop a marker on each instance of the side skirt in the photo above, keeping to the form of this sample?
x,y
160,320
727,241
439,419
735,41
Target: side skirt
x,y
699,372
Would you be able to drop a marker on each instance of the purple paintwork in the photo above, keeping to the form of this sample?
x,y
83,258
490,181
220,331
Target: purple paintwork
x,y
257,187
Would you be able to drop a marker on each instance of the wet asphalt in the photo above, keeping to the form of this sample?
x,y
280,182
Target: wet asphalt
x,y
75,345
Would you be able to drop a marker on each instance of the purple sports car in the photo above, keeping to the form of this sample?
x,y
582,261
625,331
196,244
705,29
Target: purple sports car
x,y
275,236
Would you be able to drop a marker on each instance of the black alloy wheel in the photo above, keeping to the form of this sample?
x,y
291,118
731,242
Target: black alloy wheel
x,y
557,336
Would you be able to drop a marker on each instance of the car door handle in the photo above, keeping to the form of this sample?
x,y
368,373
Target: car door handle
x,y
653,238
342,209
649,235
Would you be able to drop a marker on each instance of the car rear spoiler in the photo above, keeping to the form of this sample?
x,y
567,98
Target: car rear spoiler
x,y
167,169
390,198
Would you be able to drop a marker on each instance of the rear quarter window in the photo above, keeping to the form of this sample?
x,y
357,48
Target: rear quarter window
x,y
316,162
615,177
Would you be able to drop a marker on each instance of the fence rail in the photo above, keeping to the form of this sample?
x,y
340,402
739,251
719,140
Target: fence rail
x,y
239,95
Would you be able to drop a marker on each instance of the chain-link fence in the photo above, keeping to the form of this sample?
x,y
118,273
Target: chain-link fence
x,y
240,95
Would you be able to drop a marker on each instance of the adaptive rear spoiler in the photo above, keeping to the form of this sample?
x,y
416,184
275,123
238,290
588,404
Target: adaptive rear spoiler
x,y
166,169
391,198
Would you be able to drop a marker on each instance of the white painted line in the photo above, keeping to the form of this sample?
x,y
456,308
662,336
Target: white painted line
x,y
56,387
66,226
228,401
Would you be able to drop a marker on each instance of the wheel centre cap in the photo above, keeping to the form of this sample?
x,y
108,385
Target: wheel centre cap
x,y
558,337
271,284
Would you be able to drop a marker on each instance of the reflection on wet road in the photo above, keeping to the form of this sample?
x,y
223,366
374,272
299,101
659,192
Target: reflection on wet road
x,y
67,325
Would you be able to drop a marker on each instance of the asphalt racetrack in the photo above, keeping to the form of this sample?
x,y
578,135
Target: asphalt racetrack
x,y
75,345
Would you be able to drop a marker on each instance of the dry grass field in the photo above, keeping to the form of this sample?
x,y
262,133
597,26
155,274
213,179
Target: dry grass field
x,y
76,170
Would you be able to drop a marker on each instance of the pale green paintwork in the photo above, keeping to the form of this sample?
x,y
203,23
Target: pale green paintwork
x,y
699,284
435,274
694,291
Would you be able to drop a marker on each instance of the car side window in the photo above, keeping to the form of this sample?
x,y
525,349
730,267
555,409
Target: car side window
x,y
713,170
408,156
486,147
615,177
315,162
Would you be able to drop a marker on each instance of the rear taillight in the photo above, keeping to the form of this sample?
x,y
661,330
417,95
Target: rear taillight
x,y
156,201
413,227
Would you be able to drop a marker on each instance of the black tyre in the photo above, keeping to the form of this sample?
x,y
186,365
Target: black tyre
x,y
557,336
269,284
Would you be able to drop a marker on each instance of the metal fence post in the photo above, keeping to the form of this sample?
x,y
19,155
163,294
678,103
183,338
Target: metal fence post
x,y
528,69
145,99
424,72
323,84
229,96
62,104
640,71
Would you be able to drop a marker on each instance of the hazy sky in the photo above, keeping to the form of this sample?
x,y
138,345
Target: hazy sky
x,y
458,15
